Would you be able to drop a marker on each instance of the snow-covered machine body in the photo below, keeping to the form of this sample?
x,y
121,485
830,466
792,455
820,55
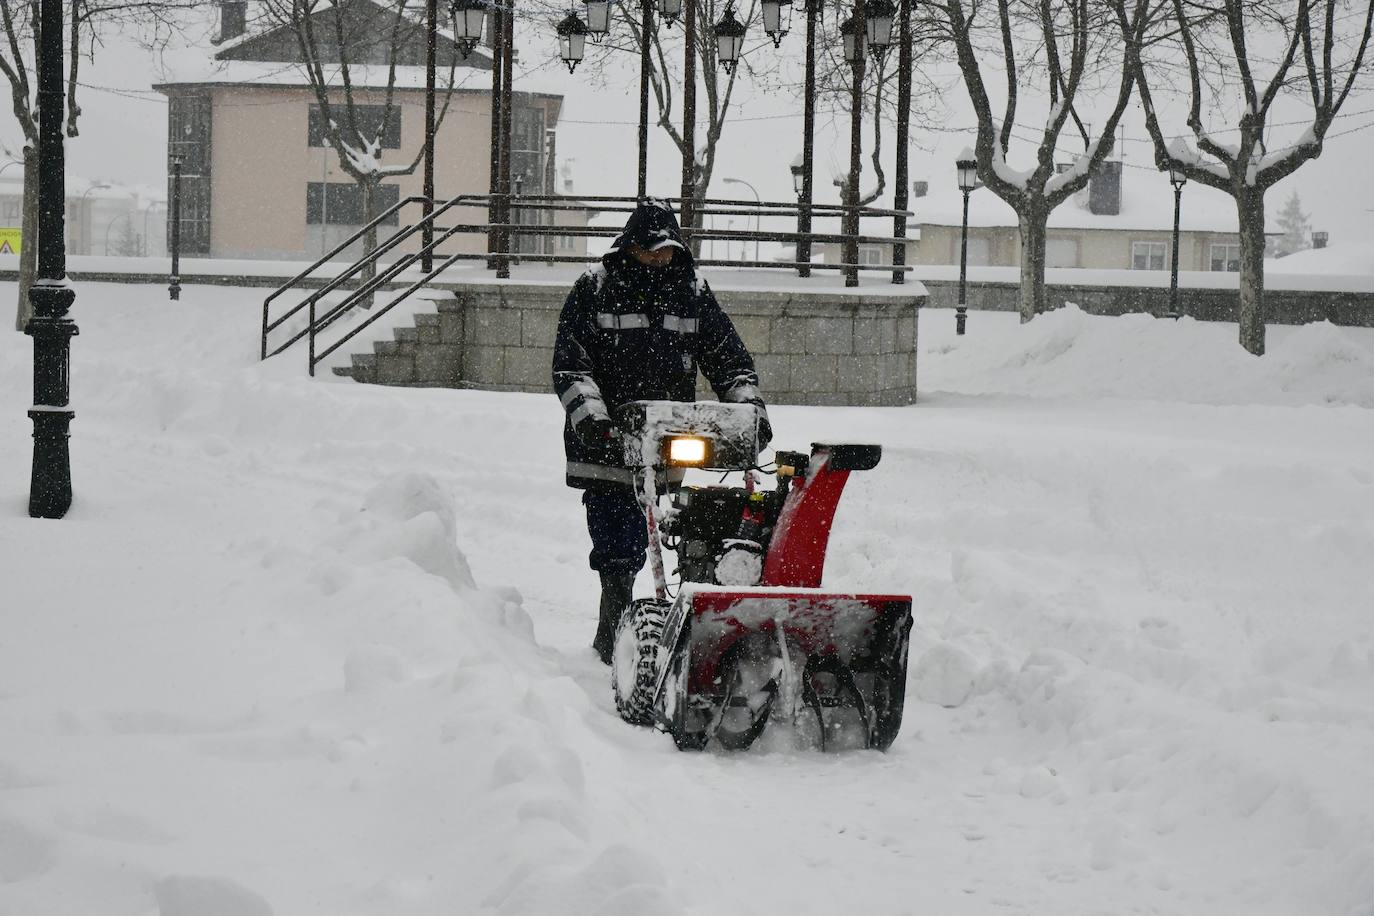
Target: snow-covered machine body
x,y
752,638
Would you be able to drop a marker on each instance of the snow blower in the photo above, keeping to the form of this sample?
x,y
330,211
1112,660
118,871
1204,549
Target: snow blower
x,y
751,637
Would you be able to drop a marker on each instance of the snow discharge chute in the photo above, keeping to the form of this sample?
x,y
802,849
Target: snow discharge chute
x,y
752,639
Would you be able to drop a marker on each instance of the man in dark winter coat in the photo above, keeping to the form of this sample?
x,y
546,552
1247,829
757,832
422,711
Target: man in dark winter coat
x,y
637,326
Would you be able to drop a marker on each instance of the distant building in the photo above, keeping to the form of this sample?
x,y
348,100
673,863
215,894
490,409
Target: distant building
x,y
102,218
260,179
1124,220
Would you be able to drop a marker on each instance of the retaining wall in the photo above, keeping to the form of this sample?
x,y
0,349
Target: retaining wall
x,y
824,348
1281,306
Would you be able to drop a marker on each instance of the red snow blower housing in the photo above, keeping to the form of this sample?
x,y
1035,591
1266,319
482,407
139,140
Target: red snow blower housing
x,y
751,637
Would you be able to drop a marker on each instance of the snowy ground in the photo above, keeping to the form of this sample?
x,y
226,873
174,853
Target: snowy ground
x,y
316,647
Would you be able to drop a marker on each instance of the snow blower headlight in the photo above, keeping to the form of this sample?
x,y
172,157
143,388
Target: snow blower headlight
x,y
687,451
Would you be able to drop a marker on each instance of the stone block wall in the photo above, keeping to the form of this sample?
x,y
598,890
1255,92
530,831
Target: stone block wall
x,y
825,348
1281,306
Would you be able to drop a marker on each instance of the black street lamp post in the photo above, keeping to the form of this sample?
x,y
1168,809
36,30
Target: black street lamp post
x,y
802,173
1178,180
899,197
431,48
174,286
50,487
967,168
852,32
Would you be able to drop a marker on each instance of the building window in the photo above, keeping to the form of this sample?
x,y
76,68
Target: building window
x,y
1226,257
979,251
12,211
369,118
871,254
342,203
1061,253
1147,255
567,243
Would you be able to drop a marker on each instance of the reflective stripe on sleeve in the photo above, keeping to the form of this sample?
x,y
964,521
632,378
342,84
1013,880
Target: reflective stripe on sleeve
x,y
586,471
615,322
680,325
580,388
588,409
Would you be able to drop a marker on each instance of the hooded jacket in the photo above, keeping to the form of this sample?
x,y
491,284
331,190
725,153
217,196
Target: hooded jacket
x,y
629,332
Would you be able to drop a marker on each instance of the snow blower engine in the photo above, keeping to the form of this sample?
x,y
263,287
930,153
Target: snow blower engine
x,y
751,637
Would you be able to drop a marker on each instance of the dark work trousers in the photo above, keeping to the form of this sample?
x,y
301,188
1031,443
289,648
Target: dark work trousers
x,y
619,534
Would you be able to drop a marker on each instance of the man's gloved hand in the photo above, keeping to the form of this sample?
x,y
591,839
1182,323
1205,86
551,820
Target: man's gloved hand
x,y
594,432
765,428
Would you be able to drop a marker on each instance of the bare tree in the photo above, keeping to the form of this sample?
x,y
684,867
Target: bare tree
x,y
834,81
1063,45
1320,47
666,73
340,45
86,21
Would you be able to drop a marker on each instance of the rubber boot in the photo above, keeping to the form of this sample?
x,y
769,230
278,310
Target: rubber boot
x,y
616,591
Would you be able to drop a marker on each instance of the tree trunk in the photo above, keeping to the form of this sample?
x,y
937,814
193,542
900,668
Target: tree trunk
x,y
1032,222
1250,311
369,186
28,251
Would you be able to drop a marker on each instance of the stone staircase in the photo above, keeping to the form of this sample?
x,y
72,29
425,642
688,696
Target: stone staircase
x,y
425,354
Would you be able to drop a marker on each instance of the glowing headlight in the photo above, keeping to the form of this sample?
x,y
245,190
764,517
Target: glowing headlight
x,y
687,450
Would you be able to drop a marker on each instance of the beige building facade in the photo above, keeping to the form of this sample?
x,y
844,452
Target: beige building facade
x,y
1122,221
260,178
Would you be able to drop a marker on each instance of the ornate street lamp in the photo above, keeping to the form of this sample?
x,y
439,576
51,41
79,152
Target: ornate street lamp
x,y
777,16
1178,180
468,16
598,18
572,40
967,168
729,34
878,25
852,34
50,486
798,168
669,10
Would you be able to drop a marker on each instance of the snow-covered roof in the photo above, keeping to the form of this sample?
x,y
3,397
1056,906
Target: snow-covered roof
x,y
1147,203
1351,258
264,73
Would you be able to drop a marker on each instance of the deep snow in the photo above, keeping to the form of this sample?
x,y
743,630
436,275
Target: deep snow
x,y
318,647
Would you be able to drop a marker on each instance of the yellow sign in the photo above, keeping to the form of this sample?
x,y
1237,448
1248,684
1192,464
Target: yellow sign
x,y
9,240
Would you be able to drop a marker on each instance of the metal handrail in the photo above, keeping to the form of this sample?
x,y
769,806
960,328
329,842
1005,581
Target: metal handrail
x,y
289,284
316,322
369,286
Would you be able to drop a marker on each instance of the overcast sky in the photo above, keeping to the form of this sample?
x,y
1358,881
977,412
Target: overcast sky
x,y
123,135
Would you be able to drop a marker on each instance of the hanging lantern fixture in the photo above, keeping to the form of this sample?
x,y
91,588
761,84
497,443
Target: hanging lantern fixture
x,y
878,25
598,18
468,16
853,34
777,15
572,40
729,34
669,10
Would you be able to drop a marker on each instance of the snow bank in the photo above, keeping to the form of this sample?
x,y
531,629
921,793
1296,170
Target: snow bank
x,y
1068,353
318,647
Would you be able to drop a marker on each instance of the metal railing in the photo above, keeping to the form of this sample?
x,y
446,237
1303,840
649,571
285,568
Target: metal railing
x,y
370,273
